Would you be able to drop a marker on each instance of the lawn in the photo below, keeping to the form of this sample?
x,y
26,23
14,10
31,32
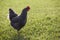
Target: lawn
x,y
43,20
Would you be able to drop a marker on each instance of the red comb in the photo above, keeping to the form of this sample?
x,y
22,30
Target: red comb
x,y
28,7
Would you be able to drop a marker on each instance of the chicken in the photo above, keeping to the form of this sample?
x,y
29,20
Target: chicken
x,y
17,22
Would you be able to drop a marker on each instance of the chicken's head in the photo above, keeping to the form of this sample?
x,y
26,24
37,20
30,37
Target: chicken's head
x,y
28,8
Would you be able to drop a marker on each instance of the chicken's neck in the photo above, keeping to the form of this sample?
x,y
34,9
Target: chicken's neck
x,y
24,14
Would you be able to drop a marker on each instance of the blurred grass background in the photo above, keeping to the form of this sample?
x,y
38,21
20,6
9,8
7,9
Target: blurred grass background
x,y
43,22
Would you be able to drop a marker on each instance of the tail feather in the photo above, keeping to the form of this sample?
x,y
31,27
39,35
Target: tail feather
x,y
12,14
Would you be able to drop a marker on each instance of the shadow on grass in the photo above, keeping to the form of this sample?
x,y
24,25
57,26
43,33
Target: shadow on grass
x,y
18,37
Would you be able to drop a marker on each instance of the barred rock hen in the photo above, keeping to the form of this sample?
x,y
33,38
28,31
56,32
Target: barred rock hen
x,y
17,22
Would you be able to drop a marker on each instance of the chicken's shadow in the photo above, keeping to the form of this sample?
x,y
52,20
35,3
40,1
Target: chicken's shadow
x,y
18,37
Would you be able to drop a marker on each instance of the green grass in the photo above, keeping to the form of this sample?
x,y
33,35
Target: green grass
x,y
43,22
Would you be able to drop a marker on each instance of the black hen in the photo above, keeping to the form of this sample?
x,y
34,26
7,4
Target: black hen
x,y
16,21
